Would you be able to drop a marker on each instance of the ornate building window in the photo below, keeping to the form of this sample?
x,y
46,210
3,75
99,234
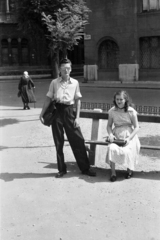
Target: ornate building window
x,y
5,52
150,52
15,52
108,55
25,51
151,5
4,6
14,49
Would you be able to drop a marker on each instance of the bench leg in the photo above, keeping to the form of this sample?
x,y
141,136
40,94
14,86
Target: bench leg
x,y
92,154
95,135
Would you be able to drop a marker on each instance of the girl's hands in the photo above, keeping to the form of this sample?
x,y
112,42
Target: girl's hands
x,y
127,141
111,138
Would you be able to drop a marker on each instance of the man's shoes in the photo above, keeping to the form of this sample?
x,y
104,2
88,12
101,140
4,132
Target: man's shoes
x,y
60,174
113,178
89,172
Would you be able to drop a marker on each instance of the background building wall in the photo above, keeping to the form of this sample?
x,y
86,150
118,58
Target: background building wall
x,y
148,25
37,48
125,22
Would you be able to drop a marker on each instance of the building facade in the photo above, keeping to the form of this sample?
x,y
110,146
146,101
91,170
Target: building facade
x,y
122,40
18,50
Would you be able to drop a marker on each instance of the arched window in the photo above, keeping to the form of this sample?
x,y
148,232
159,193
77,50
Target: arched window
x,y
150,52
14,47
5,59
3,6
108,55
25,51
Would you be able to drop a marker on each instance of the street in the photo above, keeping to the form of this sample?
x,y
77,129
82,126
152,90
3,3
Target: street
x,y
143,97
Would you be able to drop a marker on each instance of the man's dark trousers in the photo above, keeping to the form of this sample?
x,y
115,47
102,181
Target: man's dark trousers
x,y
64,120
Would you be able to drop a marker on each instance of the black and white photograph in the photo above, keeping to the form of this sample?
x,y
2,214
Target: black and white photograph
x,y
79,119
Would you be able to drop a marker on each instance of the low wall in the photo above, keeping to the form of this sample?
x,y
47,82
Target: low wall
x,y
108,75
149,75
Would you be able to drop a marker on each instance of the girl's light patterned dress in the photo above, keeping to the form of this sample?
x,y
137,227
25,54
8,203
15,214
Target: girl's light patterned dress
x,y
126,156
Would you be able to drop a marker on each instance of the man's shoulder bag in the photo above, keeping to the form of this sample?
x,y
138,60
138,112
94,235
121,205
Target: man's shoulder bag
x,y
50,114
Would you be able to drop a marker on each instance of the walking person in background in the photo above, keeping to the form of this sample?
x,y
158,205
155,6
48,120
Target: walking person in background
x,y
25,88
65,91
122,124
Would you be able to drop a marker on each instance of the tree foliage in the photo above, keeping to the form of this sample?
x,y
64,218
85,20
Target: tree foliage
x,y
65,28
60,21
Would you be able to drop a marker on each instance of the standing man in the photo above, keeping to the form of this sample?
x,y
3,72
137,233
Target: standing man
x,y
65,90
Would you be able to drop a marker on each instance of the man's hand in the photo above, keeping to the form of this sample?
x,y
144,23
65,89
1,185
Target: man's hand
x,y
76,123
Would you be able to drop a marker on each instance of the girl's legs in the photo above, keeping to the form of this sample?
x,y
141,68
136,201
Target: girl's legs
x,y
113,172
129,173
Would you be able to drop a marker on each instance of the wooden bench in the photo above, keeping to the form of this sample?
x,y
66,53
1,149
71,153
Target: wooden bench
x,y
97,115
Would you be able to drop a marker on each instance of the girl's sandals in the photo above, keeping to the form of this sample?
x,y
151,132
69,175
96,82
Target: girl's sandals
x,y
129,175
113,178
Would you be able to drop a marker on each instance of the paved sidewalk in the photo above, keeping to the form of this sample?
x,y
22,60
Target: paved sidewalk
x,y
116,84
37,206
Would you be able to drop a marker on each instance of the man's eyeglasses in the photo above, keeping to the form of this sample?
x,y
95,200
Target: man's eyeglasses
x,y
65,68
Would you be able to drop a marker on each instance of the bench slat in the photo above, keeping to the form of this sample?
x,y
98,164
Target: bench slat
x,y
106,143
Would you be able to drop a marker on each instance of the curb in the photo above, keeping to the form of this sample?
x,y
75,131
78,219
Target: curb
x,y
96,84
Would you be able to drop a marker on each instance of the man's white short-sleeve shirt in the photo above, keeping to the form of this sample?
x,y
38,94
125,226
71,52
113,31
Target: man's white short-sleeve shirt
x,y
64,92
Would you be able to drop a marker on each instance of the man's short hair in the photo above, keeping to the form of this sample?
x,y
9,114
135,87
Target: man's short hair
x,y
64,61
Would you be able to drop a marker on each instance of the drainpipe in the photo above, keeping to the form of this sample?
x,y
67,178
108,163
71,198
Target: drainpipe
x,y
7,6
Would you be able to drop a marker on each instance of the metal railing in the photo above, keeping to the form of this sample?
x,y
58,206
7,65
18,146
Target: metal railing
x,y
149,110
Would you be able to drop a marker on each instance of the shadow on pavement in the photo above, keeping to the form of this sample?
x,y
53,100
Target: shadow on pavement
x,y
103,175
8,121
7,177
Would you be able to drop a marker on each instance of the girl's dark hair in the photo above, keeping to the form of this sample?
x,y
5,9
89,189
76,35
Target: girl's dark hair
x,y
128,101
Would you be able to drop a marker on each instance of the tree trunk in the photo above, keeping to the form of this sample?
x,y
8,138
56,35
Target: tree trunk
x,y
64,53
54,65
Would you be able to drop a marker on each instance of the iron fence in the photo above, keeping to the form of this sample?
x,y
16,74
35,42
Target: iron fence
x,y
150,110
